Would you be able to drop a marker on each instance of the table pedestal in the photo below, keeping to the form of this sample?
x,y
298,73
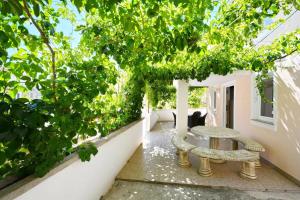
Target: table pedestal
x,y
214,144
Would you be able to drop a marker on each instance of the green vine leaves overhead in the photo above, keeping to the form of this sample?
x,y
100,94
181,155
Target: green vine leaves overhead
x,y
148,40
169,40
187,39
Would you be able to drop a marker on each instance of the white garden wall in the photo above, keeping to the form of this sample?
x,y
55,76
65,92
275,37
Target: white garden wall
x,y
83,181
166,114
151,120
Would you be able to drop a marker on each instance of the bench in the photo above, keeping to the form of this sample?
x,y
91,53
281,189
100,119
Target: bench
x,y
183,148
248,158
249,145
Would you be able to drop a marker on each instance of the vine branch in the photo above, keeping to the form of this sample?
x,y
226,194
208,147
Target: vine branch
x,y
46,41
282,57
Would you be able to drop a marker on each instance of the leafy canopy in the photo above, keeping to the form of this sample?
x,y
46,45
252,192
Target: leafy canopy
x,y
84,92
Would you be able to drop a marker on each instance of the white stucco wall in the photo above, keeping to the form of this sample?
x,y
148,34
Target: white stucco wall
x,y
283,143
151,120
166,114
87,180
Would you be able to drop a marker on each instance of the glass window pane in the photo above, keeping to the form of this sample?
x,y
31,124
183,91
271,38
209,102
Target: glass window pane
x,y
266,109
215,100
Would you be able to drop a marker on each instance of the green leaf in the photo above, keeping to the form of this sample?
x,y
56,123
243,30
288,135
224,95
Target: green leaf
x,y
21,101
20,131
85,151
52,31
78,4
179,43
257,65
15,7
6,125
3,37
91,132
4,107
2,158
3,53
26,78
36,9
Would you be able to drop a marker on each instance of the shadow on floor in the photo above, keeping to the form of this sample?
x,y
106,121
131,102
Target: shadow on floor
x,y
155,162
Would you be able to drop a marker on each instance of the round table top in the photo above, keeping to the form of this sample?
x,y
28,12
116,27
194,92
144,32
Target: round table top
x,y
215,132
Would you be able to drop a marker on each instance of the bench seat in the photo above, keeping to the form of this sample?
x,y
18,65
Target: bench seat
x,y
250,145
180,143
236,155
248,158
183,148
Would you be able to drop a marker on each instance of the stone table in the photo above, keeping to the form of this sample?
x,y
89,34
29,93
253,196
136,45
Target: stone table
x,y
214,134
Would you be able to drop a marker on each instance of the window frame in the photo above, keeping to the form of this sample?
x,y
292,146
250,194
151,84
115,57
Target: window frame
x,y
214,100
256,117
261,117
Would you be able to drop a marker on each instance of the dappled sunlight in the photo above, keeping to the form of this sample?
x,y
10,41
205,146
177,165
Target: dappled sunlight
x,y
159,151
146,143
288,122
157,163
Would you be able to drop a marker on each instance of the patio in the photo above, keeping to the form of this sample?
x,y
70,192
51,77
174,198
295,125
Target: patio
x,y
89,91
152,171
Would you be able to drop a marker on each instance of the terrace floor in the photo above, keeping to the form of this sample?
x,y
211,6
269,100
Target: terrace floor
x,y
152,173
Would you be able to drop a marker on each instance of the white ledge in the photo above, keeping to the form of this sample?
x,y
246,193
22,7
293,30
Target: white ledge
x,y
24,185
263,124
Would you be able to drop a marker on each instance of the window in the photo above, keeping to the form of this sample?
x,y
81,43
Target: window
x,y
266,106
214,100
263,109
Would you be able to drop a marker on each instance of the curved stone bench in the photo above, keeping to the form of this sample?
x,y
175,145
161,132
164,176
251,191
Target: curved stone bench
x,y
183,148
250,145
248,158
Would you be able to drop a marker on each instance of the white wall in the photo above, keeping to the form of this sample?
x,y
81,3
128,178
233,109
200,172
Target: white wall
x,y
282,142
182,106
165,115
151,120
291,24
90,180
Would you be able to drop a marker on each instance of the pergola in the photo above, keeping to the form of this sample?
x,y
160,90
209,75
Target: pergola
x,y
182,87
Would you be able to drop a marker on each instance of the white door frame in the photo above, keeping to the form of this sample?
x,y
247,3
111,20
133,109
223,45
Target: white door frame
x,y
224,86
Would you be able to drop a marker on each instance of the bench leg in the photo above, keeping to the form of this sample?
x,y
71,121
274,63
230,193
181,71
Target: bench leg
x,y
183,160
248,170
235,145
257,163
214,144
204,168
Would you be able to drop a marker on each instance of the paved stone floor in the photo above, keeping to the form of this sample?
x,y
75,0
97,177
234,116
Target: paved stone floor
x,y
152,173
136,190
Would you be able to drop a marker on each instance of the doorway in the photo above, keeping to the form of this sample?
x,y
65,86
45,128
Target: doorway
x,y
229,106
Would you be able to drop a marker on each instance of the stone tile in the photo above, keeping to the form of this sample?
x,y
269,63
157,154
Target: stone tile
x,y
274,195
139,190
156,161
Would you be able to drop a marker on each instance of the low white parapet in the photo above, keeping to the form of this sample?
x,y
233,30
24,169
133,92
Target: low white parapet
x,y
151,120
166,114
77,180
